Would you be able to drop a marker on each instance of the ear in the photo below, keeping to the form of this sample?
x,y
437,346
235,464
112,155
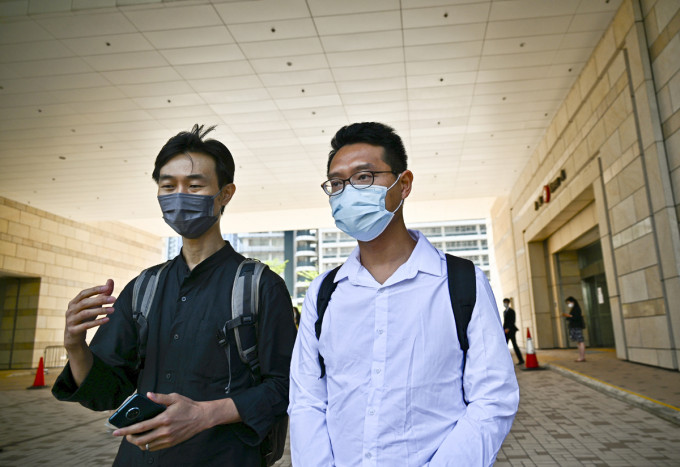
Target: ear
x,y
406,183
227,191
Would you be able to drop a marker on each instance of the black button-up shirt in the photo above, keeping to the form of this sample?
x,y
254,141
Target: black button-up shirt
x,y
183,356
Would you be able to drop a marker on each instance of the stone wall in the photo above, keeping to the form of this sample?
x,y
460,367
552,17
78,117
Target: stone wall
x,y
616,136
55,258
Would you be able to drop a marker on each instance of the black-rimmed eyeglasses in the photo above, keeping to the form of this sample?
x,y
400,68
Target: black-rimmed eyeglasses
x,y
360,180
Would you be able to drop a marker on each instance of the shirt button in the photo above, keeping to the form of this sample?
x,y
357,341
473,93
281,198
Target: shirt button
x,y
371,412
380,331
377,371
184,299
176,336
168,376
149,460
368,455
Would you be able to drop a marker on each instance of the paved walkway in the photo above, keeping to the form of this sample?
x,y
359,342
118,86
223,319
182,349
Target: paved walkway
x,y
567,417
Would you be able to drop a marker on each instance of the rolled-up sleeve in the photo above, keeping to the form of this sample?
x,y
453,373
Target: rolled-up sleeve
x,y
490,387
309,440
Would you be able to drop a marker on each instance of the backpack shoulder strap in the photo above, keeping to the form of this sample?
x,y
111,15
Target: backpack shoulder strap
x,y
245,298
143,294
326,289
463,292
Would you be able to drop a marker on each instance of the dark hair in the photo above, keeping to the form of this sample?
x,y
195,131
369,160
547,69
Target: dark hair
x,y
506,300
185,142
376,134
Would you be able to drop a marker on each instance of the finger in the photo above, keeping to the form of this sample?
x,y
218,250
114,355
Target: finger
x,y
89,325
108,287
133,432
87,315
99,289
164,399
94,302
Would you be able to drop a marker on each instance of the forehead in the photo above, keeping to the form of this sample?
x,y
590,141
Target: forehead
x,y
189,163
358,156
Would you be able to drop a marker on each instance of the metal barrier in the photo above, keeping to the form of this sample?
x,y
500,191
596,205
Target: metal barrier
x,y
55,356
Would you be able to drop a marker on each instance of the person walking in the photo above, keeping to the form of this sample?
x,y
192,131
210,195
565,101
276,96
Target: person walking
x,y
576,326
386,382
219,409
511,330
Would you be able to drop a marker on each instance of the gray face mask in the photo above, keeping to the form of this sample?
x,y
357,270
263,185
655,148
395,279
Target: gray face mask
x,y
189,215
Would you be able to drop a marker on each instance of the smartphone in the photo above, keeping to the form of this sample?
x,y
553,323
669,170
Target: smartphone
x,y
134,410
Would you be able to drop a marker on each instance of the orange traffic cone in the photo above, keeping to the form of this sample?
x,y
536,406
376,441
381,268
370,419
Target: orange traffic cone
x,y
531,360
39,381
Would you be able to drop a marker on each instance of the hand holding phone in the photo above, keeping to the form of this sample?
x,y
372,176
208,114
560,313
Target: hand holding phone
x,y
134,410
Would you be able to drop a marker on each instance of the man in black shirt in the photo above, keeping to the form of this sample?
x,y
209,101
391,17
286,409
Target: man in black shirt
x,y
511,329
216,414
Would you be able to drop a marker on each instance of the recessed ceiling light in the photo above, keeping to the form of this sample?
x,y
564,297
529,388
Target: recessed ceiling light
x,y
273,29
446,14
169,101
63,158
522,44
289,63
108,44
39,110
302,90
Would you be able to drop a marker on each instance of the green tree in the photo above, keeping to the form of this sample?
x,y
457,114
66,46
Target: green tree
x,y
277,266
308,275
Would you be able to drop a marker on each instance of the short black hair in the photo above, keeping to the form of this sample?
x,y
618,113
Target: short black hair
x,y
506,300
193,141
570,299
375,134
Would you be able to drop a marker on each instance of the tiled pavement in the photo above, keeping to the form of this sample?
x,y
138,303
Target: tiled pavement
x,y
560,421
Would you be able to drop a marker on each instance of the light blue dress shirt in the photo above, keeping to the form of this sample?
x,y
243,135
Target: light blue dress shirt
x,y
394,384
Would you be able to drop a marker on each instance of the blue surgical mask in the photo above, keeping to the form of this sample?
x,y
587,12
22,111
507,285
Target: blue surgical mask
x,y
361,213
189,215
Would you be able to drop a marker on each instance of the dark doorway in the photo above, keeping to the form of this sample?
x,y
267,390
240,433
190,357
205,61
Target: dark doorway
x,y
597,311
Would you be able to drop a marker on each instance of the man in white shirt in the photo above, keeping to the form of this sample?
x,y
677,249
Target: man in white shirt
x,y
396,391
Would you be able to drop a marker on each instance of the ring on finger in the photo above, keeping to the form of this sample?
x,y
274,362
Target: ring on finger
x,y
147,446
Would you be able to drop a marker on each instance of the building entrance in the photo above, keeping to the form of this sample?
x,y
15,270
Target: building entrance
x,y
598,315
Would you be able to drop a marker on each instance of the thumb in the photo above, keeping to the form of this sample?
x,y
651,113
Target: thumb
x,y
164,399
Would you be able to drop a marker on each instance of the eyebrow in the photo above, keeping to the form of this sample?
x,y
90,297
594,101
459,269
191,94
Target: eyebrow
x,y
164,177
358,168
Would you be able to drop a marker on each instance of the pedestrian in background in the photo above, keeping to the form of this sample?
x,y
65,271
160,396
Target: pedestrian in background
x,y
576,326
511,330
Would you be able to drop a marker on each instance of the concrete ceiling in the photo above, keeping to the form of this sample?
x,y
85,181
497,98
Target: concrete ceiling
x,y
90,91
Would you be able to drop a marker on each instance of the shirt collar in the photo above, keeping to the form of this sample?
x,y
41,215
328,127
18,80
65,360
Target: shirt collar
x,y
210,262
424,258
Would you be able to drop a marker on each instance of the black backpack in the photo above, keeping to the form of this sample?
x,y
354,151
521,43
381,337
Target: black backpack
x,y
462,290
243,323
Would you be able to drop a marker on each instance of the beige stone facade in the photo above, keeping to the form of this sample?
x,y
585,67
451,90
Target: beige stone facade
x,y
45,260
616,136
